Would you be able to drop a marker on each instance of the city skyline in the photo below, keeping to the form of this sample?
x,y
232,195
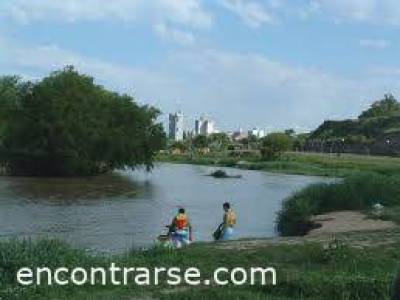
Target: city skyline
x,y
176,127
278,63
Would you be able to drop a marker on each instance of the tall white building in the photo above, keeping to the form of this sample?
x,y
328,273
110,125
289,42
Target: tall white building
x,y
204,126
259,133
176,126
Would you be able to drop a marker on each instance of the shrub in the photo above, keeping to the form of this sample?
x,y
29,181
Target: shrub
x,y
274,144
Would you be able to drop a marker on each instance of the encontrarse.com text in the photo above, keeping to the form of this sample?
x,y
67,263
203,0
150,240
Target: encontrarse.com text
x,y
142,276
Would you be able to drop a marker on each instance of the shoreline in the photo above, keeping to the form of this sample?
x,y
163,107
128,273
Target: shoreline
x,y
253,166
296,163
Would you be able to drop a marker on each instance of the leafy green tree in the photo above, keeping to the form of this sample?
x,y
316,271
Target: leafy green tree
x,y
10,87
219,141
65,124
289,132
388,106
274,144
299,141
200,141
251,139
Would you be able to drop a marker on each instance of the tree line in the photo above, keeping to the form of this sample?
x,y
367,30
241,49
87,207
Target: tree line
x,y
271,147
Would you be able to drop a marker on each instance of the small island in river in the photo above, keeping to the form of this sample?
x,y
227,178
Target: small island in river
x,y
223,174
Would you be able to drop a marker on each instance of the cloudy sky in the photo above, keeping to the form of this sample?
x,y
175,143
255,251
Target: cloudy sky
x,y
265,63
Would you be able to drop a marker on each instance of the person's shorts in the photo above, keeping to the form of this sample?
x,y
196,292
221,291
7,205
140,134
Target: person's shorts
x,y
180,238
228,234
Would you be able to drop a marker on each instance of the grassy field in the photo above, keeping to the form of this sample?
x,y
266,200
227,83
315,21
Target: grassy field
x,y
329,269
319,164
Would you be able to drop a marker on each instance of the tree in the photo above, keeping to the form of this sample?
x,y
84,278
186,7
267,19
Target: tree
x,y
290,132
180,146
299,141
200,141
252,139
10,87
65,124
219,141
274,144
388,106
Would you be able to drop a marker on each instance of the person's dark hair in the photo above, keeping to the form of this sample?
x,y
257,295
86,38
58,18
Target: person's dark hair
x,y
181,210
227,205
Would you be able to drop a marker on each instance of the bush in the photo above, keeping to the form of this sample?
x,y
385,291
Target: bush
x,y
274,144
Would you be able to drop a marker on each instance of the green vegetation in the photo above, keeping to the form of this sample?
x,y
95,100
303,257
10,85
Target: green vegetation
x,y
274,145
388,106
331,270
200,141
368,179
218,141
380,120
319,164
357,192
375,131
215,141
65,124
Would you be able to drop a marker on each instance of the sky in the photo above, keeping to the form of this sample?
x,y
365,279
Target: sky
x,y
272,64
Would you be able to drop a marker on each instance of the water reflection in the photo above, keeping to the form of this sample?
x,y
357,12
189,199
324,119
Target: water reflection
x,y
65,191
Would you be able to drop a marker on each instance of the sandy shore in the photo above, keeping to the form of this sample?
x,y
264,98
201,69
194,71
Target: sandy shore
x,y
347,221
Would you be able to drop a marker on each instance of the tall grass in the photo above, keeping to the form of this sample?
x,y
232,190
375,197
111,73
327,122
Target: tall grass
x,y
357,192
305,271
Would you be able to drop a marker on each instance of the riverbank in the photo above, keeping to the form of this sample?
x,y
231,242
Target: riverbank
x,y
344,266
297,163
367,180
347,221
376,195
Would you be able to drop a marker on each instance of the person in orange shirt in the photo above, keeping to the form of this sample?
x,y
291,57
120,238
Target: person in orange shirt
x,y
180,229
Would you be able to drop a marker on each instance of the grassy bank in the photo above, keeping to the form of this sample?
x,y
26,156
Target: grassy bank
x,y
304,271
318,164
357,192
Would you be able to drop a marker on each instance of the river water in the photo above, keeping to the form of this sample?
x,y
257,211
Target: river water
x,y
111,213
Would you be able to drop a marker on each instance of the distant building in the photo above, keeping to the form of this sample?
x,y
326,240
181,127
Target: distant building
x,y
176,126
239,135
204,126
258,133
197,126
